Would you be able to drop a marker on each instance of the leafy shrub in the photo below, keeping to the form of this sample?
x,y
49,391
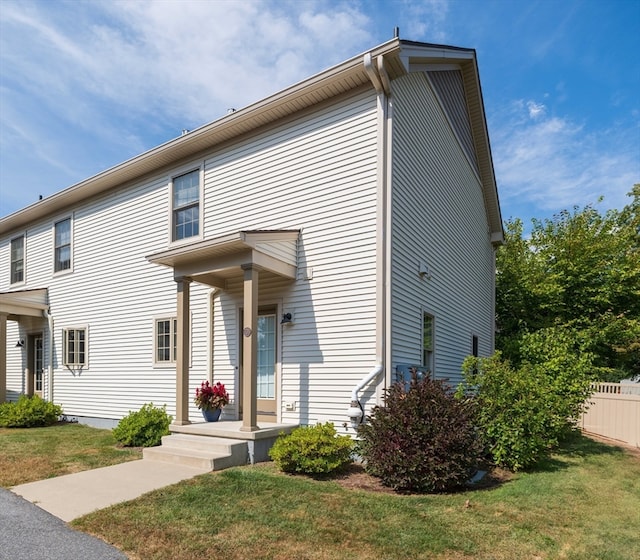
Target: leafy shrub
x,y
562,361
29,412
143,428
423,440
523,412
312,450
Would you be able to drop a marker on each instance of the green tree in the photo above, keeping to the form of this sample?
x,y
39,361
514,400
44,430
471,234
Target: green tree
x,y
578,273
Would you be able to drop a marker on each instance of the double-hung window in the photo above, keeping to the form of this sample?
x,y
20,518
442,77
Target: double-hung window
x,y
62,250
75,347
166,340
17,260
186,205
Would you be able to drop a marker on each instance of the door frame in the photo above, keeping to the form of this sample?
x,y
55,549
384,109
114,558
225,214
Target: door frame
x,y
30,370
262,415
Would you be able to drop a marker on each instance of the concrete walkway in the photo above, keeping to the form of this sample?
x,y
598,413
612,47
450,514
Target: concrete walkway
x,y
75,495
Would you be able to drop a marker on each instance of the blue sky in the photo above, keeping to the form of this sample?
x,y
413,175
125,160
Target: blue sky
x,y
85,85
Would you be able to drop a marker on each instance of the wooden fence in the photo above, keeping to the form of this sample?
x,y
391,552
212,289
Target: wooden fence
x,y
614,412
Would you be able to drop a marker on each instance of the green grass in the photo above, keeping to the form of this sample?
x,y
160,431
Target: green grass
x,y
29,454
583,503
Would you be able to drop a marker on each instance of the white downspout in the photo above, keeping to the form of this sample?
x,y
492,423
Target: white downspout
x,y
381,83
355,411
49,319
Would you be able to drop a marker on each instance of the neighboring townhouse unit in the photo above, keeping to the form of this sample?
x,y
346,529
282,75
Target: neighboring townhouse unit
x,y
301,250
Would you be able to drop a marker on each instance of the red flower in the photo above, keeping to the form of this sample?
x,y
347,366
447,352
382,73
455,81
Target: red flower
x,y
210,397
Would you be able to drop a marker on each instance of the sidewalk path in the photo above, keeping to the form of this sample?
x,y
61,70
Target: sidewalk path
x,y
75,495
29,533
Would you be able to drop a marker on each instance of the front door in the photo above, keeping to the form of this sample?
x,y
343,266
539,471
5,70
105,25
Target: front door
x,y
266,365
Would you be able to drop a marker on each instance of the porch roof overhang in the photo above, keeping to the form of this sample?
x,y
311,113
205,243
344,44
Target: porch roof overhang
x,y
30,303
214,261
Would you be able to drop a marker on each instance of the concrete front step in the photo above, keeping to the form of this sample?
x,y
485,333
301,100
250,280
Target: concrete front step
x,y
210,453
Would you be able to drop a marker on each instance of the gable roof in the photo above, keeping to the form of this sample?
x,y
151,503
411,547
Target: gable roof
x,y
399,57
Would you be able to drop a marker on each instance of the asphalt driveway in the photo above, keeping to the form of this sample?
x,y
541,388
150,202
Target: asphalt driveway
x,y
30,533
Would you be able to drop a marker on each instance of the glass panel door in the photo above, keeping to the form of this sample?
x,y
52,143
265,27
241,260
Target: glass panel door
x,y
266,356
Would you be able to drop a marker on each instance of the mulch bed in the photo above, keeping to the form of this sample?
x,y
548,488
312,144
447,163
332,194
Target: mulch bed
x,y
354,477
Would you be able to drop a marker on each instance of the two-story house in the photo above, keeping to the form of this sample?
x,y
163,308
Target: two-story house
x,y
299,250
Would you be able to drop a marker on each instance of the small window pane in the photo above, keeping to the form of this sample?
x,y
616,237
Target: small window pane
x,y
187,222
186,189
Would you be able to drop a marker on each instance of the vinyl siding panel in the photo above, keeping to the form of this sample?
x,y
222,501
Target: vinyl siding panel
x,y
449,88
439,219
316,173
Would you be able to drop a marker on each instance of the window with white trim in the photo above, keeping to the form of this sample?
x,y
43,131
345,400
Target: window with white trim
x,y
17,260
165,340
186,205
62,245
427,341
75,347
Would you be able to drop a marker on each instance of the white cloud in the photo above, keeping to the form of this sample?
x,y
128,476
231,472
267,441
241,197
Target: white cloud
x,y
424,21
551,163
164,59
536,110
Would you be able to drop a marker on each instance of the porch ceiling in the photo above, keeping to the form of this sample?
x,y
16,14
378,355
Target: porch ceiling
x,y
214,261
29,303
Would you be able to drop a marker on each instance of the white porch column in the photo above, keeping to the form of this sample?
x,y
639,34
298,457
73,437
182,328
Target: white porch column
x,y
3,358
182,352
250,349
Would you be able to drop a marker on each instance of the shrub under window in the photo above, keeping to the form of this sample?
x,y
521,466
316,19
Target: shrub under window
x,y
143,428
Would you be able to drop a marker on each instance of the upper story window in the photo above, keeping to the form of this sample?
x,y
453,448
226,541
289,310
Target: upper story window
x,y
62,251
186,205
17,260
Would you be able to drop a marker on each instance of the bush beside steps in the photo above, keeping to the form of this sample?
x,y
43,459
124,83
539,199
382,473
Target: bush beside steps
x,y
143,428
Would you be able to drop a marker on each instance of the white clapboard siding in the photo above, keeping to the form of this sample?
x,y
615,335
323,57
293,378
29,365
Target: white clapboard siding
x,y
15,362
317,174
438,218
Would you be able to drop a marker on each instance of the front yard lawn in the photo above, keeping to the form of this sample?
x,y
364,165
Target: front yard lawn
x,y
582,504
30,454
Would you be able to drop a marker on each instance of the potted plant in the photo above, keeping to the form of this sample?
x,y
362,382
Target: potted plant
x,y
210,399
